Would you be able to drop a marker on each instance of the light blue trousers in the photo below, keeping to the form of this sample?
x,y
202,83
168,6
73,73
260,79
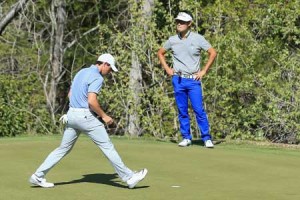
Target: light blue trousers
x,y
82,120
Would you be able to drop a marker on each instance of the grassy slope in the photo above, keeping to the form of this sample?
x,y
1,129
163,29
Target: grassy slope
x,y
229,171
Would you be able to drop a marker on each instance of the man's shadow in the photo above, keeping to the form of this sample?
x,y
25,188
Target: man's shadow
x,y
107,179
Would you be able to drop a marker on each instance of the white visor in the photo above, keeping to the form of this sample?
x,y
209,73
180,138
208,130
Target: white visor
x,y
184,17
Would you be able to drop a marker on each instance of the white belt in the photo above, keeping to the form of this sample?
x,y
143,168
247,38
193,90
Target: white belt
x,y
186,75
79,109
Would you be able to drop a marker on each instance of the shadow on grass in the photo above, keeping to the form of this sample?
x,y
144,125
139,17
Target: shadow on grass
x,y
107,179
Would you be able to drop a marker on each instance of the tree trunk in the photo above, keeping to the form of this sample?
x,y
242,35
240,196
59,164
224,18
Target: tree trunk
x,y
58,20
135,83
136,89
14,11
147,11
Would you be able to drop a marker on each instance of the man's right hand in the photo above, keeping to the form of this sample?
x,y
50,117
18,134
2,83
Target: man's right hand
x,y
170,71
161,56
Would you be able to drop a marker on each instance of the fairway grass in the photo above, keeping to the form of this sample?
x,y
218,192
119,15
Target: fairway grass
x,y
227,172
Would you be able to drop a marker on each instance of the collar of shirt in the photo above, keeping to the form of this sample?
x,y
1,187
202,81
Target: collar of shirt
x,y
186,35
94,67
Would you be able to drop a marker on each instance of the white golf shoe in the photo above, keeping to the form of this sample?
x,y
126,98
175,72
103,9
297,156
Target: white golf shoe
x,y
40,182
185,143
136,178
208,144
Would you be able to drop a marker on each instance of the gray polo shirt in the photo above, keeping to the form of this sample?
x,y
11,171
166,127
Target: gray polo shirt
x,y
186,52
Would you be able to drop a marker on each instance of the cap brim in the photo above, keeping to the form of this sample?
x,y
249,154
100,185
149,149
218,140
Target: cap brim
x,y
114,68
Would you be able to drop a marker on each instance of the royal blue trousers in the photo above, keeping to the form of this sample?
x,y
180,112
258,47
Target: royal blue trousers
x,y
186,89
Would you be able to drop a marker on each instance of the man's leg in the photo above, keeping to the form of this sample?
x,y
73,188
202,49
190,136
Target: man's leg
x,y
101,139
181,98
69,138
195,95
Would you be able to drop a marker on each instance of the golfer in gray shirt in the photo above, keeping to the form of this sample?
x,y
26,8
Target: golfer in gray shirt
x,y
187,73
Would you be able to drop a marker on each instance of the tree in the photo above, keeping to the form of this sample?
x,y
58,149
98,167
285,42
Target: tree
x,y
56,68
14,11
251,92
135,81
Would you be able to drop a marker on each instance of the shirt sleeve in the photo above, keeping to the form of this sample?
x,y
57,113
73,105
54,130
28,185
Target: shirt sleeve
x,y
203,43
95,85
167,45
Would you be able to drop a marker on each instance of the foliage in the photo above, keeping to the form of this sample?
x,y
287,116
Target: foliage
x,y
251,92
254,85
21,107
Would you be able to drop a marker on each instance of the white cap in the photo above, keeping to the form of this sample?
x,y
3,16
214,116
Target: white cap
x,y
108,58
184,17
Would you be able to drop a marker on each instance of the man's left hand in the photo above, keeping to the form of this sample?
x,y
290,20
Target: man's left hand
x,y
64,119
199,75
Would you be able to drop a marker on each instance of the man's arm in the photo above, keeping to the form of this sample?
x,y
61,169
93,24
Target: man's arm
x,y
212,55
95,106
161,56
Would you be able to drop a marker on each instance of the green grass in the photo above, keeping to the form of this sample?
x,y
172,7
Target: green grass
x,y
228,172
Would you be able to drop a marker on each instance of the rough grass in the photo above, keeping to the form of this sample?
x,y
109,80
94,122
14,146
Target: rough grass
x,y
231,171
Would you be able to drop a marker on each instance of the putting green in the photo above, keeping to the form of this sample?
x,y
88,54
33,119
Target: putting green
x,y
228,172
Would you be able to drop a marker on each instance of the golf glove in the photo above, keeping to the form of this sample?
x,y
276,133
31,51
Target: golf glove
x,y
64,119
